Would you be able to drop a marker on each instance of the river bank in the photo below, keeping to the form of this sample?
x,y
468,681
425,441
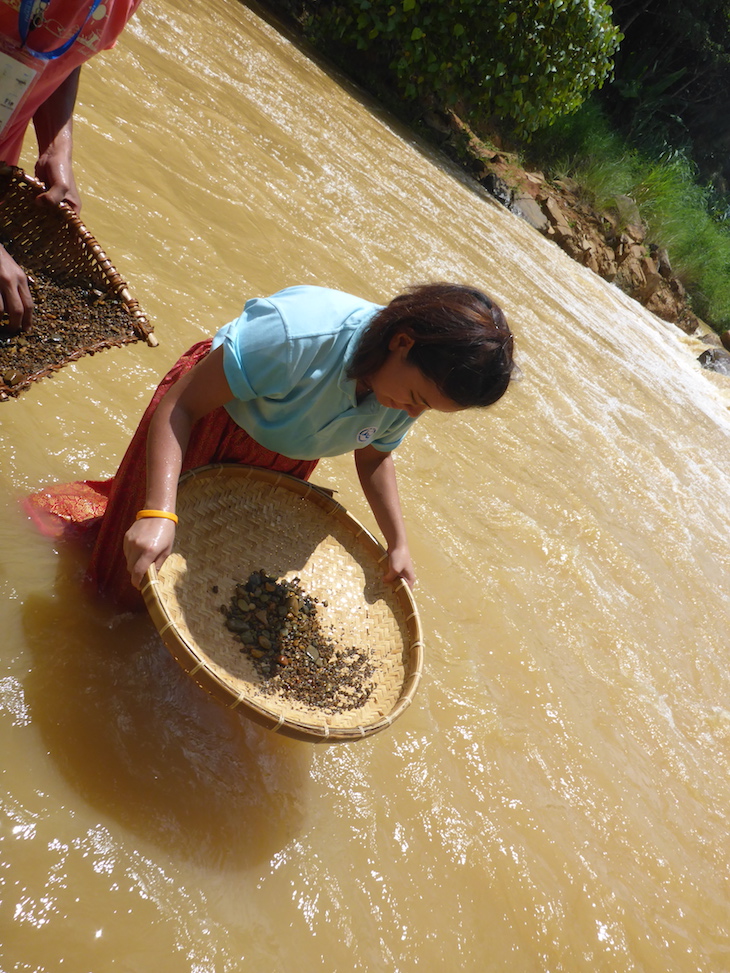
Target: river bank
x,y
611,240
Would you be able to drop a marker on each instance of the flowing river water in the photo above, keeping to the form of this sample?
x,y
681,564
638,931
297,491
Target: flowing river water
x,y
558,796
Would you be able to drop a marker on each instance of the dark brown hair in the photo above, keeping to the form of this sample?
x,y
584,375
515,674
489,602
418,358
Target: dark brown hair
x,y
462,342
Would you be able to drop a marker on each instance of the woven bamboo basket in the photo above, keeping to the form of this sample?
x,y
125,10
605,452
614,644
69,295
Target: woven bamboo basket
x,y
234,520
54,241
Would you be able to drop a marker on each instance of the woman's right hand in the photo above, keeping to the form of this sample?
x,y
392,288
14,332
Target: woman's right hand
x,y
148,541
15,294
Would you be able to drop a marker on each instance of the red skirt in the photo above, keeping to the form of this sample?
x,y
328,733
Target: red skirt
x,y
101,512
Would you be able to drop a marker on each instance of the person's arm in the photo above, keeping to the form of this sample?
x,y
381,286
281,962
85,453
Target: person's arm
x,y
376,471
53,123
149,540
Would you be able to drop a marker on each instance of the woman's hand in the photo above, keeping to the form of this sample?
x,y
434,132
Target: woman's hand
x,y
54,170
148,541
400,565
15,296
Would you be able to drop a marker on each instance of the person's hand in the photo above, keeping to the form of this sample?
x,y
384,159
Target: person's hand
x,y
400,566
148,541
15,295
57,175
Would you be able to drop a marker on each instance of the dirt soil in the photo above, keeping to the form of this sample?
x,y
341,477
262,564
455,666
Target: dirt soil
x,y
68,322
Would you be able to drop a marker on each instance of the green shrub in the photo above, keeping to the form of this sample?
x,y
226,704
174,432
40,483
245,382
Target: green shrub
x,y
677,210
523,61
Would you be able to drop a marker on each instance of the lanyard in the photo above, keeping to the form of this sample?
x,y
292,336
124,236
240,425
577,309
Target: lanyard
x,y
25,15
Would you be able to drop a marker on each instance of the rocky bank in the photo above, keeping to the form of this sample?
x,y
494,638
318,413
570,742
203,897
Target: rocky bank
x,y
610,241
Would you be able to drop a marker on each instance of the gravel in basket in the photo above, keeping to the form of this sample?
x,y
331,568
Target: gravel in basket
x,y
81,303
330,652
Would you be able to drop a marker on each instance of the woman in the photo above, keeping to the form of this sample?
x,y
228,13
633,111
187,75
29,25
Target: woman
x,y
44,45
305,373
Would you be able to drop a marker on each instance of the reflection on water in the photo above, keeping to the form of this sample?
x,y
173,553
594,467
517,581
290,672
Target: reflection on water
x,y
556,798
140,741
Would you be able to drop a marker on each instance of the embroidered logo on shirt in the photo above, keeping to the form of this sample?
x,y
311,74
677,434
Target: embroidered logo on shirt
x,y
366,434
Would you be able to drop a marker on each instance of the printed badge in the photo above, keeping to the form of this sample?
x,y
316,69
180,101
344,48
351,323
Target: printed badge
x,y
366,434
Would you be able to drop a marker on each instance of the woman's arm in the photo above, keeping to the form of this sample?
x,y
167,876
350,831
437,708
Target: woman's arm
x,y
53,123
376,471
204,388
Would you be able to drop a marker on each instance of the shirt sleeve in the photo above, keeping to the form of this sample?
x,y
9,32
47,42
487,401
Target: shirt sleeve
x,y
256,352
394,435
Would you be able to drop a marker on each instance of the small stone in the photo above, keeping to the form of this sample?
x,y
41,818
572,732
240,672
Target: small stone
x,y
236,624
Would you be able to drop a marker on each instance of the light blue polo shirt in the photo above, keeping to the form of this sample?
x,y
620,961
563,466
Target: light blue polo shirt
x,y
285,359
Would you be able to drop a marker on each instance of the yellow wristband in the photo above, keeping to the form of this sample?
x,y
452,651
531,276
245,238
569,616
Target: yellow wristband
x,y
168,515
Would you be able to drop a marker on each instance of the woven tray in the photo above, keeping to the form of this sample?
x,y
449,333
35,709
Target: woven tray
x,y
54,242
238,519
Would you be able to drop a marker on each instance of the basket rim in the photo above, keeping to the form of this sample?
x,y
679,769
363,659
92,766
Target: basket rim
x,y
116,282
205,675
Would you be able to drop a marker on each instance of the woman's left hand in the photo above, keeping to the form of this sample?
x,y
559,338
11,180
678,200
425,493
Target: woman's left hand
x,y
400,565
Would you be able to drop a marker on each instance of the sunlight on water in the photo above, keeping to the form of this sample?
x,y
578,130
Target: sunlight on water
x,y
556,798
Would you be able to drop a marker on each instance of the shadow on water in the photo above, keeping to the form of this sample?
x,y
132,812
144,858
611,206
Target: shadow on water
x,y
140,741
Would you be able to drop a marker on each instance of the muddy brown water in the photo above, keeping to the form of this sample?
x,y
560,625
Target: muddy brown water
x,y
557,797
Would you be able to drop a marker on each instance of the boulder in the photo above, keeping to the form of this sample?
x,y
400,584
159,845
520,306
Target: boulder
x,y
630,276
716,359
557,218
497,187
529,209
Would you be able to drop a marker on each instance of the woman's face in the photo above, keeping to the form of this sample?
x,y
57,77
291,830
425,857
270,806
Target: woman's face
x,y
400,385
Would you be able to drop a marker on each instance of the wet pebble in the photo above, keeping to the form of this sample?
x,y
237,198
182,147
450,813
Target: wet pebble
x,y
283,632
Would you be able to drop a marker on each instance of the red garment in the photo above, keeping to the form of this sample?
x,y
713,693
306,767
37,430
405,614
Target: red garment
x,y
61,20
102,511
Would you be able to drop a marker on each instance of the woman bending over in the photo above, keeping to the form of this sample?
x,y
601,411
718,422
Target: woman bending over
x,y
306,373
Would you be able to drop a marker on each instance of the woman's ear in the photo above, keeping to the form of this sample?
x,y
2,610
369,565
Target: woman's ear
x,y
401,342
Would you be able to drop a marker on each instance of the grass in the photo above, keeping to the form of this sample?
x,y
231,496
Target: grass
x,y
677,209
